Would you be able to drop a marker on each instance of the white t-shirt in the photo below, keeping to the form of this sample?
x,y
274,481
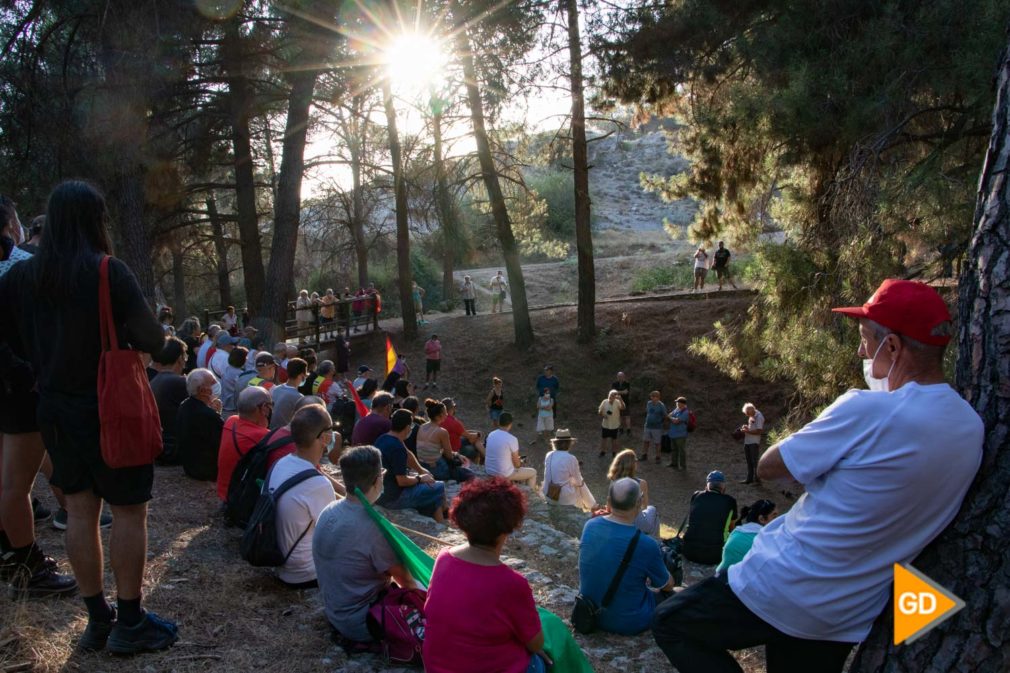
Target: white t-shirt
x,y
297,510
499,447
884,473
201,355
700,260
219,363
228,321
611,421
757,422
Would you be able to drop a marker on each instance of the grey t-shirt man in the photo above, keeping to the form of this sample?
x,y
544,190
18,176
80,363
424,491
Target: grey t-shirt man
x,y
352,565
285,398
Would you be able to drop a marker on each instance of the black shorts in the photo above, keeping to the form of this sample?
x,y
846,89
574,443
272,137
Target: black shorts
x,y
431,366
610,433
71,433
722,272
17,413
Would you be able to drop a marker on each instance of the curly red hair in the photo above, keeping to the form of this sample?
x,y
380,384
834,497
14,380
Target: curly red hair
x,y
488,508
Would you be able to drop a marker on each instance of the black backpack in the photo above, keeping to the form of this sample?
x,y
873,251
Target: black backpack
x,y
250,472
259,543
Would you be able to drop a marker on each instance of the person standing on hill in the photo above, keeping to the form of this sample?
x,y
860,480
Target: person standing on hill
x,y
433,361
678,434
720,264
499,287
495,402
700,268
417,294
623,387
655,413
610,411
550,381
886,471
52,301
752,430
469,294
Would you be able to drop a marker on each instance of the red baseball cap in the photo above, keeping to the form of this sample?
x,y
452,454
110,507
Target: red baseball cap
x,y
907,307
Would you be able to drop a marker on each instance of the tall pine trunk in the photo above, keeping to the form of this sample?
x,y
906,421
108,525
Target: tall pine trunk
x,y
356,134
287,206
580,157
503,225
446,212
402,222
240,102
972,557
179,304
220,252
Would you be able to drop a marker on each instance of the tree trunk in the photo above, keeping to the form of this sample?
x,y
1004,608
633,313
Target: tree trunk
x,y
510,251
356,138
972,557
134,238
240,101
402,224
287,207
580,157
446,213
179,304
221,252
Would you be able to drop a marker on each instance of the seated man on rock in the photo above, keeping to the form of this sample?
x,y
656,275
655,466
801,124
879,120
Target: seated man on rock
x,y
198,426
467,442
354,562
605,541
300,506
709,520
502,458
405,483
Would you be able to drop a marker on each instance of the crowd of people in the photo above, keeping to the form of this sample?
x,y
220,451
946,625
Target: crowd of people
x,y
807,584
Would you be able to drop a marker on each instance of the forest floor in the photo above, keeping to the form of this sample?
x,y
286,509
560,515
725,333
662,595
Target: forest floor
x,y
236,618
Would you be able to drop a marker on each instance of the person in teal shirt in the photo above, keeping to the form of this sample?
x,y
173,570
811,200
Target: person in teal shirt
x,y
752,520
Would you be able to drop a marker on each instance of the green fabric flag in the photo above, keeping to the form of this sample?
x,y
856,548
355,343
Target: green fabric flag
x,y
558,641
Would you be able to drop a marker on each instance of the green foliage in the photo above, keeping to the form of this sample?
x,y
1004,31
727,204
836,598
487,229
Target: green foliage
x,y
557,189
677,276
858,131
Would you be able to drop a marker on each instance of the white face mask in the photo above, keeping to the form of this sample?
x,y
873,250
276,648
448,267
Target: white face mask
x,y
215,390
872,382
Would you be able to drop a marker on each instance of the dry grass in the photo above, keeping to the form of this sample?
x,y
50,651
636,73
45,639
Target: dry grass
x,y
233,617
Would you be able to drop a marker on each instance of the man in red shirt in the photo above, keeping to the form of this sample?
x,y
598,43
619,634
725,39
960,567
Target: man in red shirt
x,y
243,432
457,432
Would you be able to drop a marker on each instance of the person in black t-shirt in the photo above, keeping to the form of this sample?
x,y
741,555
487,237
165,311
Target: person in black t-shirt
x,y
720,264
711,515
169,388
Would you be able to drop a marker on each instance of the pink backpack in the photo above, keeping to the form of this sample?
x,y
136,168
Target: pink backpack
x,y
399,614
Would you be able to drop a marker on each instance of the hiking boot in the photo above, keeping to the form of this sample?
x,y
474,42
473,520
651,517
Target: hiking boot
x,y
96,634
36,577
39,511
150,635
60,519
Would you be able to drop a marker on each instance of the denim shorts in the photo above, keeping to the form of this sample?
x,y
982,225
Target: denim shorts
x,y
495,414
425,498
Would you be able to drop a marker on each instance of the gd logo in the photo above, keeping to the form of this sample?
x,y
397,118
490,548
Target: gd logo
x,y
919,604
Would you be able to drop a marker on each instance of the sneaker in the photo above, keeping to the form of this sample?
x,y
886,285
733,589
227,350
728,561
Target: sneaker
x,y
151,634
60,519
40,511
96,634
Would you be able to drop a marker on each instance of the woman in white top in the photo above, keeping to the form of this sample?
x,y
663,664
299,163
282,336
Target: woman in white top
x,y
625,465
434,449
303,310
545,415
562,468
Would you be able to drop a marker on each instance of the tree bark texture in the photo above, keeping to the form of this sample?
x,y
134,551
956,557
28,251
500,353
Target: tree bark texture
x,y
446,212
972,557
220,253
503,225
402,223
179,304
357,135
240,102
580,158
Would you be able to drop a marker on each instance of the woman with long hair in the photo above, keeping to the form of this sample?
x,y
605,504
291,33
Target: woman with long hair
x,y
22,561
54,305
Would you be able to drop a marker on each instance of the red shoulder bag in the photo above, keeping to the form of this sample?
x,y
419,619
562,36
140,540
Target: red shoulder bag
x,y
131,427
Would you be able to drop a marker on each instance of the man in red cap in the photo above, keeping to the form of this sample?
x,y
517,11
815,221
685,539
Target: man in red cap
x,y
885,472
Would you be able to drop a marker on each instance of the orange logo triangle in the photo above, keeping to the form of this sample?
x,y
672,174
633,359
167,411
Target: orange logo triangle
x,y
919,604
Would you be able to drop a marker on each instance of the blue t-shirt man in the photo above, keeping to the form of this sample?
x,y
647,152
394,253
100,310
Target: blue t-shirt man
x,y
655,412
394,460
678,430
603,545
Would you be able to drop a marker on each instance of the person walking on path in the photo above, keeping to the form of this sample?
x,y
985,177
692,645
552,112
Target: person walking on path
x,y
752,431
499,288
417,294
678,435
433,361
720,264
700,268
610,412
886,471
469,294
652,434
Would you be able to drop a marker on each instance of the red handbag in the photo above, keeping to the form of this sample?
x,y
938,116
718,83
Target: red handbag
x,y
127,412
